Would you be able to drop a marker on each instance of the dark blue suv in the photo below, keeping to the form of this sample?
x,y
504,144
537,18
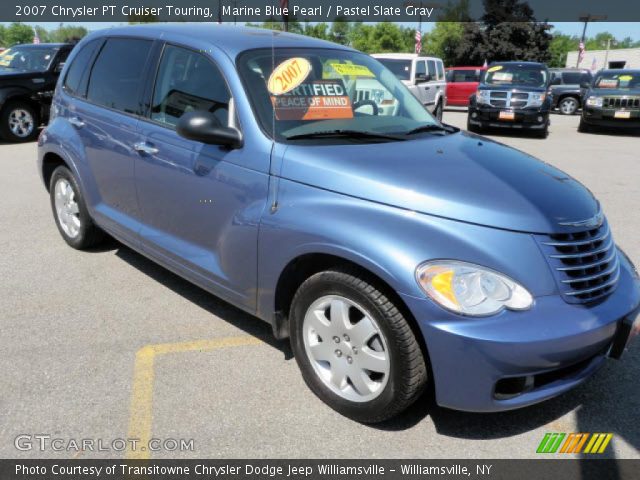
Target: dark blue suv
x,y
303,182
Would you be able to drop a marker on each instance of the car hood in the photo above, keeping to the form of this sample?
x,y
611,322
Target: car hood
x,y
6,73
459,176
513,88
603,92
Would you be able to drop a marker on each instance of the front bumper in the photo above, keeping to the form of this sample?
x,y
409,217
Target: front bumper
x,y
554,346
526,118
605,117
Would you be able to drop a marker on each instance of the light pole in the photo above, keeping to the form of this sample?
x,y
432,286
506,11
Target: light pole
x,y
606,55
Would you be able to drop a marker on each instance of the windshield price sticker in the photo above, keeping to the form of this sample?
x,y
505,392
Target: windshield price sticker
x,y
317,100
625,78
608,83
494,69
503,77
288,75
352,70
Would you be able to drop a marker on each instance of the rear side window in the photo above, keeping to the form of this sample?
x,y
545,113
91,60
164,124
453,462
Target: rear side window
x,y
117,74
188,81
432,68
572,78
440,70
421,69
75,80
461,76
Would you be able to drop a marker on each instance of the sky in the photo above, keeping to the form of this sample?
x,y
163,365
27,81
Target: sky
x,y
619,29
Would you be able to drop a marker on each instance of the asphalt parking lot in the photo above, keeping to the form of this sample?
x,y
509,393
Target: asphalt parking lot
x,y
107,345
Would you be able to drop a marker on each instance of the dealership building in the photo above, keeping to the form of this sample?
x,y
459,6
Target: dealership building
x,y
598,59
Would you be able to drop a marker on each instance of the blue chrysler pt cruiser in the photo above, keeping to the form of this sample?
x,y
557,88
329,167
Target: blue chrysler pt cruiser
x,y
303,182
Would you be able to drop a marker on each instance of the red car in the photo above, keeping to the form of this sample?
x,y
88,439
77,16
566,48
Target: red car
x,y
461,83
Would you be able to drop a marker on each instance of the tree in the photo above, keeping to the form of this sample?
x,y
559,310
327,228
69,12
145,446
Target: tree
x,y
444,41
320,30
18,33
340,30
67,33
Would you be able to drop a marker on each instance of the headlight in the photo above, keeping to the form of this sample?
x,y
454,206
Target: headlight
x,y
482,96
470,289
594,101
537,99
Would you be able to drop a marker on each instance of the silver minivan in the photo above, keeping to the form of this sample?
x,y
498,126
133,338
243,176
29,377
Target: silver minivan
x,y
424,76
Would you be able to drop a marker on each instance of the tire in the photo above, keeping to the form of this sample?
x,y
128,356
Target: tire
x,y
543,133
19,122
70,211
472,128
584,127
380,334
568,106
438,111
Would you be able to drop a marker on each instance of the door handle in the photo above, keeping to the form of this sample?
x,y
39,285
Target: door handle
x,y
144,147
76,122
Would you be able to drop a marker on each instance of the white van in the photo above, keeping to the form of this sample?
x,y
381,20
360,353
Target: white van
x,y
423,75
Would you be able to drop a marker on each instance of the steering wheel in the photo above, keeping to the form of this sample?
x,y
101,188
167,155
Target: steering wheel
x,y
362,103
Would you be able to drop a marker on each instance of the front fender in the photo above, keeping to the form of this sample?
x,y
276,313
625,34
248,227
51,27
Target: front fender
x,y
387,241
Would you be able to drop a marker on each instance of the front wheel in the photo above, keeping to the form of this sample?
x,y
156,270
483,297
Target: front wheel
x,y
19,122
356,350
568,106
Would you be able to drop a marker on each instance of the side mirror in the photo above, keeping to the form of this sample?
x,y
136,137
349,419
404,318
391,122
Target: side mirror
x,y
204,127
58,68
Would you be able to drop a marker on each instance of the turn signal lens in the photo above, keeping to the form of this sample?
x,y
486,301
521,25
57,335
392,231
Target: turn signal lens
x,y
470,289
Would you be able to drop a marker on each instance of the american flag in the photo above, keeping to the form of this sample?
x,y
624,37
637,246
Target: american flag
x,y
418,41
36,37
580,52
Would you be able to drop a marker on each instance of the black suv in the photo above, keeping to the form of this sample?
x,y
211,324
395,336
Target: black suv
x,y
28,75
612,101
568,87
512,95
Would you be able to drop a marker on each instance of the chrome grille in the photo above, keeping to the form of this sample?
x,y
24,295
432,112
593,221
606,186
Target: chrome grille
x,y
502,99
621,102
586,263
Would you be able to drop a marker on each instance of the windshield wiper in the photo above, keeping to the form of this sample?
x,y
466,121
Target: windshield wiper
x,y
432,127
345,134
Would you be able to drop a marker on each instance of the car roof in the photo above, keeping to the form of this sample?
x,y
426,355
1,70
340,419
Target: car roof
x,y
402,56
481,67
524,64
231,39
35,45
634,71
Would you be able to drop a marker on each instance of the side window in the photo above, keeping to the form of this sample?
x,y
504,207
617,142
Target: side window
x,y
440,70
76,75
571,78
188,81
421,70
432,68
117,74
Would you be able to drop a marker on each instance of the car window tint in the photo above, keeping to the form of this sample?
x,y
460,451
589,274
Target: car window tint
x,y
188,81
117,74
78,68
421,69
440,70
571,78
432,68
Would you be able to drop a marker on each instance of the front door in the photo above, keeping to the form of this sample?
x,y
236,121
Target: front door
x,y
201,204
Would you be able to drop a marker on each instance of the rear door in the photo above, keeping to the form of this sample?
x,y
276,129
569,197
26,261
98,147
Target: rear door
x,y
106,120
423,87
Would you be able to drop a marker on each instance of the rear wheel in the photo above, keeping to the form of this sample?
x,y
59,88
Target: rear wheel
x,y
354,347
568,106
19,122
70,211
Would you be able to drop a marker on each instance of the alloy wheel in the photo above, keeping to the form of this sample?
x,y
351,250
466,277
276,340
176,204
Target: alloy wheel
x,y
67,209
346,348
21,123
568,106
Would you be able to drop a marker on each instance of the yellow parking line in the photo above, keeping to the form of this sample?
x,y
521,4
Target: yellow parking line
x,y
141,408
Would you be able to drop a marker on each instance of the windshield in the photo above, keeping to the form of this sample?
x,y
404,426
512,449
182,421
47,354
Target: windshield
x,y
400,68
464,76
618,80
511,75
27,58
301,92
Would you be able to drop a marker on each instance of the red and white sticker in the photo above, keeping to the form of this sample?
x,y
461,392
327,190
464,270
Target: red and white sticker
x,y
316,100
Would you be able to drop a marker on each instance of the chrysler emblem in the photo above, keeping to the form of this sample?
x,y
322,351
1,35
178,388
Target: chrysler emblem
x,y
592,222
